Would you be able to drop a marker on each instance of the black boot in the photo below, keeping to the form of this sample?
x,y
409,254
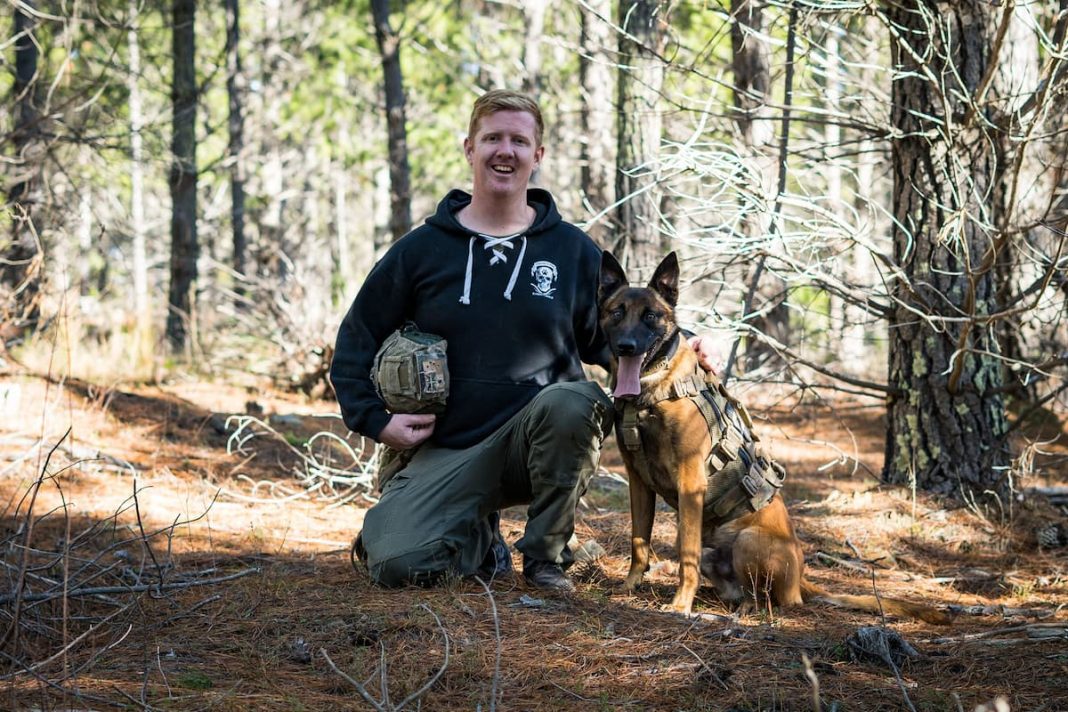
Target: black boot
x,y
546,575
498,561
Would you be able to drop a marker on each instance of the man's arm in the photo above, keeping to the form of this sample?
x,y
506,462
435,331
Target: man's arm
x,y
592,344
378,309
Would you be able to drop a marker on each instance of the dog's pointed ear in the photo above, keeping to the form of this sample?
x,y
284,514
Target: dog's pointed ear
x,y
612,277
665,281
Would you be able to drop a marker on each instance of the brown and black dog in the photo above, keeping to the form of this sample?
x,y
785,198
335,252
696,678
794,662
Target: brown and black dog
x,y
746,554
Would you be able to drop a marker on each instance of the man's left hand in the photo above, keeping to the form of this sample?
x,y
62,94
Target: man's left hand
x,y
710,353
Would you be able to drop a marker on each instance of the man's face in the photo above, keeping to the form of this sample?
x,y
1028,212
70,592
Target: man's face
x,y
503,153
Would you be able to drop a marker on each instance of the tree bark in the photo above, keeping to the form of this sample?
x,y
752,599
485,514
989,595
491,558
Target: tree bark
x,y
534,12
236,151
752,86
183,177
20,259
946,418
641,79
597,154
1015,79
273,249
752,74
400,196
142,316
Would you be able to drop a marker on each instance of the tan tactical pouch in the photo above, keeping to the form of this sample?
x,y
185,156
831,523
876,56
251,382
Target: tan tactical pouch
x,y
410,372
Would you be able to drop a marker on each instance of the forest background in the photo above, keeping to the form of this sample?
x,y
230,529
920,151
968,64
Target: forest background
x,y
869,198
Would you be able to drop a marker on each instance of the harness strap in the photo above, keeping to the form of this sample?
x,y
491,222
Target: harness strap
x,y
632,439
741,478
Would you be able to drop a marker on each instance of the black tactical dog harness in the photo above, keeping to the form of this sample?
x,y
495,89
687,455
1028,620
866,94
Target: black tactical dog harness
x,y
741,479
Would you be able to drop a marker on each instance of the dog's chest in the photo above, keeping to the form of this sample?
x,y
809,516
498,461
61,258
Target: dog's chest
x,y
658,461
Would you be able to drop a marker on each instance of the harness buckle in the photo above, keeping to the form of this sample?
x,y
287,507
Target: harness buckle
x,y
632,439
725,451
684,388
775,475
752,484
744,413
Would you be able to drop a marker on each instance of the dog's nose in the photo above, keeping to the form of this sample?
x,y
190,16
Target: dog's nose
x,y
626,347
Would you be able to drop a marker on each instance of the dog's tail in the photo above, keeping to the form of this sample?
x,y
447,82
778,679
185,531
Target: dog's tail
x,y
880,604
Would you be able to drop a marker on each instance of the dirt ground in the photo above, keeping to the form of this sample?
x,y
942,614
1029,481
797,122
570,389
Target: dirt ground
x,y
226,582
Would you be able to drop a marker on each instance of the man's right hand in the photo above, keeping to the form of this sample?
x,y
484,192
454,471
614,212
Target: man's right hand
x,y
407,431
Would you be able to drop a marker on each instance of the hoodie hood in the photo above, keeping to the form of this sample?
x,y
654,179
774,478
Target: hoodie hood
x,y
546,215
499,248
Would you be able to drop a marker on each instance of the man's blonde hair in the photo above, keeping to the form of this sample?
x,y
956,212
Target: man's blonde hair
x,y
505,100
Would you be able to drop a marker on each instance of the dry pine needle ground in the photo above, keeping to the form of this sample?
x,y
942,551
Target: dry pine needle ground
x,y
253,643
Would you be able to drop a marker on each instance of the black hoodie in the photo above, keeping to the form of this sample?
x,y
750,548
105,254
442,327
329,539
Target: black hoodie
x,y
519,313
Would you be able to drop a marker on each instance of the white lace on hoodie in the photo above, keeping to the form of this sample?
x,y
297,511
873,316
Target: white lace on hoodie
x,y
497,255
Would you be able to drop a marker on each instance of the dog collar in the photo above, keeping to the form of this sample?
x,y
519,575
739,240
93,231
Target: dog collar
x,y
665,352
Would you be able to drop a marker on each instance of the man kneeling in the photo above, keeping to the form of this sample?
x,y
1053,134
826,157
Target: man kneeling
x,y
512,288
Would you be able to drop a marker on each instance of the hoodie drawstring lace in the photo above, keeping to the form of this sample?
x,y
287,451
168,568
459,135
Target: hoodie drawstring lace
x,y
492,243
465,298
515,270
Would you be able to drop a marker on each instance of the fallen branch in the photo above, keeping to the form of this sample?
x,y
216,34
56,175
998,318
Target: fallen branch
x,y
856,566
497,636
1000,610
704,665
341,485
880,643
814,680
1055,495
69,692
105,590
1034,632
12,632
384,704
37,666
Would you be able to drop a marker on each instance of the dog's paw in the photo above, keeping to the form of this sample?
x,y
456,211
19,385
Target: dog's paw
x,y
680,607
681,603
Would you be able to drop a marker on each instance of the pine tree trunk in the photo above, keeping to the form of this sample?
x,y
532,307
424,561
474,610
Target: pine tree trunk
x,y
752,86
641,79
20,259
534,12
946,418
400,196
597,154
272,250
1018,203
143,313
752,74
183,178
236,123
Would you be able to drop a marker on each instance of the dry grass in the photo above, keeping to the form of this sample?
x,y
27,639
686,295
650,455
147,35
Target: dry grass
x,y
253,642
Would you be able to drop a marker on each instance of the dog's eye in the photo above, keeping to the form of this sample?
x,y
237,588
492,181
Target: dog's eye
x,y
616,314
650,317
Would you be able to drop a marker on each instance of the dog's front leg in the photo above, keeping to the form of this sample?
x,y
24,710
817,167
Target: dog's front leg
x,y
642,506
691,510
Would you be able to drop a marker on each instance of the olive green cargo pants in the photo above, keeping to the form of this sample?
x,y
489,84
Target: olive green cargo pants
x,y
432,517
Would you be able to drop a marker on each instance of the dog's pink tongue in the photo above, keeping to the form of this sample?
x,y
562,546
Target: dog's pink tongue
x,y
628,373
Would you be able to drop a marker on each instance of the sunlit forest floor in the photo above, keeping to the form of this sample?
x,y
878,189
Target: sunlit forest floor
x,y
246,579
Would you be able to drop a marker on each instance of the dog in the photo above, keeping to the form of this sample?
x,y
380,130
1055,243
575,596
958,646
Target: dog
x,y
684,438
